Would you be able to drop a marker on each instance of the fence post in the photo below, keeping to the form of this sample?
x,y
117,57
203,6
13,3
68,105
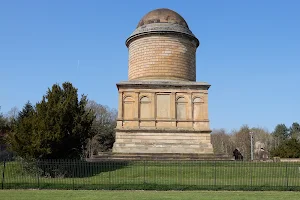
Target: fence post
x,y
215,174
251,171
286,175
37,173
180,172
109,174
144,172
73,173
2,184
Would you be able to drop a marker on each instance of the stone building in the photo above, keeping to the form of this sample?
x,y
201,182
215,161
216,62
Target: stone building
x,y
162,109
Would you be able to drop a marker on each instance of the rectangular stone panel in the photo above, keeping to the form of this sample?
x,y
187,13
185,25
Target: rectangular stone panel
x,y
198,111
164,124
184,124
163,106
130,123
201,125
128,110
147,123
181,110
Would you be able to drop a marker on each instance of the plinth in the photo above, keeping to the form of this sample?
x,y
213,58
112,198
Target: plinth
x,y
163,117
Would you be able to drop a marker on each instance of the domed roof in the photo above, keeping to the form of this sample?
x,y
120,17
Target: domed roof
x,y
162,15
162,21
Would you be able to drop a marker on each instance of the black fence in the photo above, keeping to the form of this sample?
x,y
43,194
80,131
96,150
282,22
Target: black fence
x,y
150,175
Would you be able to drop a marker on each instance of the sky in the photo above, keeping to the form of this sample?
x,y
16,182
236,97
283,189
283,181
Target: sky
x,y
249,52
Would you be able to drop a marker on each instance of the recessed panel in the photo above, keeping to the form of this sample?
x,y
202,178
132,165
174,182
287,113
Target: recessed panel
x,y
163,106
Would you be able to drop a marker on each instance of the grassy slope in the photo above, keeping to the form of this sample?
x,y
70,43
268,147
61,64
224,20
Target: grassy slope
x,y
141,195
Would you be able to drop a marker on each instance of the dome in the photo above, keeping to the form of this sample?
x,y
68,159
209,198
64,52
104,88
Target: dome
x,y
162,21
162,47
162,15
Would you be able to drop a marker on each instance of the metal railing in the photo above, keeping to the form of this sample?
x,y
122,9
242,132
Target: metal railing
x,y
150,175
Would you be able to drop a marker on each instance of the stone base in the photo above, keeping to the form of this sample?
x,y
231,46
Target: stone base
x,y
162,142
158,157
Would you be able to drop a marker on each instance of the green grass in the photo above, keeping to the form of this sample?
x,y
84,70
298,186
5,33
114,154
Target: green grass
x,y
171,175
143,195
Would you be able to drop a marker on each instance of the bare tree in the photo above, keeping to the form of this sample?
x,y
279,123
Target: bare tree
x,y
222,142
103,128
12,114
241,140
262,140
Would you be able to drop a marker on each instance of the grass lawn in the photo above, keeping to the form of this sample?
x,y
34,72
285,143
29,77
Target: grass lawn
x,y
142,195
158,175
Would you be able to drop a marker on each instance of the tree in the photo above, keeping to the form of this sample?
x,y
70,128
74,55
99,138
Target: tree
x,y
2,121
57,127
12,114
280,134
289,148
261,139
295,131
2,130
103,128
27,111
222,142
21,137
5,128
241,140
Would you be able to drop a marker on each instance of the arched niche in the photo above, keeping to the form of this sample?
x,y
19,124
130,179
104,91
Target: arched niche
x,y
145,107
128,107
198,108
181,106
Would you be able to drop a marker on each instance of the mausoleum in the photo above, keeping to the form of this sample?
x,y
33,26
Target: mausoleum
x,y
162,109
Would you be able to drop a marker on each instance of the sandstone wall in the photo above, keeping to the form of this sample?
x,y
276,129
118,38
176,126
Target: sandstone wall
x,y
168,57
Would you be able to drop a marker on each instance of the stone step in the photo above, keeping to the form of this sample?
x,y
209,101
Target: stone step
x,y
160,141
161,156
162,145
162,148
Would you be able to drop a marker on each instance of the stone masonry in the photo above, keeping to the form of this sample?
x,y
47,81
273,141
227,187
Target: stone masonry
x,y
165,57
161,108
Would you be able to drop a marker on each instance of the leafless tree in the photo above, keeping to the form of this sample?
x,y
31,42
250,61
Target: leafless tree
x,y
103,135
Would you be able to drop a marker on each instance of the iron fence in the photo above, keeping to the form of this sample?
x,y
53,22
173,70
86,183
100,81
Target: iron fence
x,y
150,175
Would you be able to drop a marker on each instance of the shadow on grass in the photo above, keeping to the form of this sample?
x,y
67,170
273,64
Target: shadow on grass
x,y
76,168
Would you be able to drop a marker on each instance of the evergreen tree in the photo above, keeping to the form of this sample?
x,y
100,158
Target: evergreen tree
x,y
280,134
2,121
21,138
26,111
2,130
58,126
289,148
295,131
5,128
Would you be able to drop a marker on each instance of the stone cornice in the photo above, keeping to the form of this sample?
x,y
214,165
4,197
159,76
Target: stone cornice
x,y
163,120
163,84
160,130
162,28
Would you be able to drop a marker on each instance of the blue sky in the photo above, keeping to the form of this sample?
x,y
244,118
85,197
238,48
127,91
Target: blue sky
x,y
249,53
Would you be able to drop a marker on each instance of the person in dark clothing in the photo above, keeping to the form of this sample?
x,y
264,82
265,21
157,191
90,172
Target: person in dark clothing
x,y
237,155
